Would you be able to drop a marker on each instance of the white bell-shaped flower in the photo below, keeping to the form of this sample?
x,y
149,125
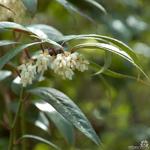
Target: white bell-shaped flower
x,y
43,61
28,72
81,63
66,62
61,65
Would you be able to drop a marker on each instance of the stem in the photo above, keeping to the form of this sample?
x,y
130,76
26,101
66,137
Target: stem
x,y
42,47
12,130
27,53
23,127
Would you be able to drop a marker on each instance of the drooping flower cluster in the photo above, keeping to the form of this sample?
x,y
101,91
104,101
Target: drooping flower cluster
x,y
28,72
65,63
62,64
43,62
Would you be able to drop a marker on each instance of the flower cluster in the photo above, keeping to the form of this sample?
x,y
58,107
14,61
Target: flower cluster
x,y
43,62
62,64
28,72
144,144
65,63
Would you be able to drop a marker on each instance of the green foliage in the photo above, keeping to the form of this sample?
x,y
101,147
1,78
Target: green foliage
x,y
112,106
12,53
31,5
65,106
45,31
60,122
72,6
6,42
4,74
33,137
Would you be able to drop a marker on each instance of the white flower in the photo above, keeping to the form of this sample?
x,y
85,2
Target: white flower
x,y
66,62
72,60
28,72
43,61
31,69
81,63
62,65
59,62
65,73
144,144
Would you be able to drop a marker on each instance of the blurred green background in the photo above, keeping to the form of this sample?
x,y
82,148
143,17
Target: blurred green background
x,y
118,109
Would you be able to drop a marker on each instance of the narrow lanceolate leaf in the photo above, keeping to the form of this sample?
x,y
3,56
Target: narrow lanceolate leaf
x,y
114,74
122,47
40,139
4,74
116,47
7,42
5,25
37,118
70,7
13,52
31,5
53,43
105,47
39,34
107,39
97,5
91,8
61,123
111,41
49,31
12,26
107,63
68,109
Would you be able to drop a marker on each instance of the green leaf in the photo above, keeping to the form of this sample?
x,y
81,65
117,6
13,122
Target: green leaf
x,y
16,85
128,50
37,118
113,49
12,53
41,34
114,74
6,42
40,139
61,123
96,4
107,39
121,45
31,5
4,74
115,44
80,37
17,27
70,7
105,47
73,6
12,26
55,44
45,31
68,109
107,63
